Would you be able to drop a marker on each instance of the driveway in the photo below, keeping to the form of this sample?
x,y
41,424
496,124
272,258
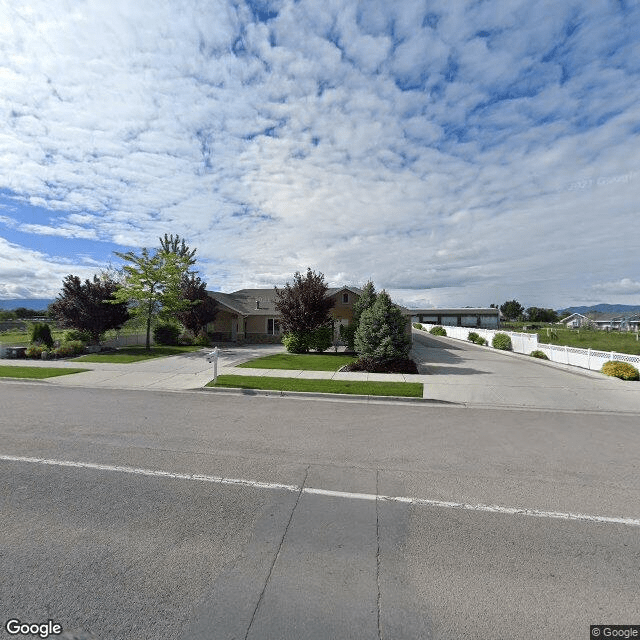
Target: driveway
x,y
482,376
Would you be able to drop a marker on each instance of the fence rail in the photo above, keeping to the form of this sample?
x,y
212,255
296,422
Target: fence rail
x,y
527,342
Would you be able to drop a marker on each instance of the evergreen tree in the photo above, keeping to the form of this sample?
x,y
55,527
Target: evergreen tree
x,y
381,331
365,301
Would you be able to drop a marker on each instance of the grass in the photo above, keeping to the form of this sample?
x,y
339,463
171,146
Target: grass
x,y
619,341
306,361
356,387
9,371
135,354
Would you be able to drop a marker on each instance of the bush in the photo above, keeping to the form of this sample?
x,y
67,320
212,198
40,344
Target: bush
x,y
502,341
185,339
166,334
41,334
416,325
348,335
68,349
438,331
35,351
481,341
74,335
473,336
296,342
202,339
321,339
374,365
622,370
539,354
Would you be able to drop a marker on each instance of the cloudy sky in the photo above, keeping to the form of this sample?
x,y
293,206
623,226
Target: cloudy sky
x,y
454,152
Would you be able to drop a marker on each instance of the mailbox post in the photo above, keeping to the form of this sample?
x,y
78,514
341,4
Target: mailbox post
x,y
213,357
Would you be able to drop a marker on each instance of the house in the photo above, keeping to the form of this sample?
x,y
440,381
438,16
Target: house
x,y
604,321
483,318
250,315
575,320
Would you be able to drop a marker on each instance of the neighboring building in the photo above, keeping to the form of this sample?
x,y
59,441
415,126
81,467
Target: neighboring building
x,y
575,320
604,321
483,318
250,315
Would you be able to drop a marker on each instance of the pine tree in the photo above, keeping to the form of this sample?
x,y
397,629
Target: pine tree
x,y
381,331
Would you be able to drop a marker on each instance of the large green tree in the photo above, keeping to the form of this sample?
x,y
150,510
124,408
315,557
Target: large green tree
x,y
89,306
381,331
511,310
304,306
536,314
152,285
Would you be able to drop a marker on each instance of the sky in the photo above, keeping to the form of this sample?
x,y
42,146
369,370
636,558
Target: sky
x,y
454,153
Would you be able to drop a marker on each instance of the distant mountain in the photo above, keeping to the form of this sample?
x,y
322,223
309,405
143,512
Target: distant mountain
x,y
603,308
37,304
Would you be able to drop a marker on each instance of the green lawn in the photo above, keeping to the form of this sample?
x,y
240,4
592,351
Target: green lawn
x,y
9,371
135,354
619,341
358,387
304,361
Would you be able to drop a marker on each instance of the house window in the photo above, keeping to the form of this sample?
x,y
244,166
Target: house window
x,y
345,298
273,326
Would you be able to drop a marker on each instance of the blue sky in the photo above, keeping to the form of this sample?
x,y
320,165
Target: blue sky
x,y
457,153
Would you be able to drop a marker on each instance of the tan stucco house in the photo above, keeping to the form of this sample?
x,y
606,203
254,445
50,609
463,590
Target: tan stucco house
x,y
250,315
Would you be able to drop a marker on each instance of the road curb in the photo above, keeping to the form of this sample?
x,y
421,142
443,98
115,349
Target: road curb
x,y
328,396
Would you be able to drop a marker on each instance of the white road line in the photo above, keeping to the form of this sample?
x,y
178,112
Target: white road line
x,y
487,508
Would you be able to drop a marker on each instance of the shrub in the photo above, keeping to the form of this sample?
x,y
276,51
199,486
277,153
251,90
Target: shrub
x,y
73,335
373,365
622,370
296,342
202,339
41,334
438,331
481,341
321,339
416,325
348,335
185,339
35,351
68,349
473,336
166,334
502,341
539,354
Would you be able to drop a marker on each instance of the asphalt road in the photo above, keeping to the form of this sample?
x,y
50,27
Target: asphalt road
x,y
293,543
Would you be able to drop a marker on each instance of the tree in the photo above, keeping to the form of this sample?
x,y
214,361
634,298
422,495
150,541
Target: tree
x,y
178,246
304,306
511,310
152,285
536,314
203,309
89,306
365,301
381,331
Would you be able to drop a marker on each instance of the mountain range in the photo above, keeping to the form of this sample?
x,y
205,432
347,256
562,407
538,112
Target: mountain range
x,y
603,308
37,304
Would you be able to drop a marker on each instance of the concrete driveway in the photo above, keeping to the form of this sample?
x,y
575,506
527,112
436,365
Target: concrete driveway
x,y
481,376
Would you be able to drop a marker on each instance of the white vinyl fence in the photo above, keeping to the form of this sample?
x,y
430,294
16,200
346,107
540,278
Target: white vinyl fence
x,y
128,340
528,342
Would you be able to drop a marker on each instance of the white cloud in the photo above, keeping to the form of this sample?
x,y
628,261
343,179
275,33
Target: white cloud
x,y
465,152
623,286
